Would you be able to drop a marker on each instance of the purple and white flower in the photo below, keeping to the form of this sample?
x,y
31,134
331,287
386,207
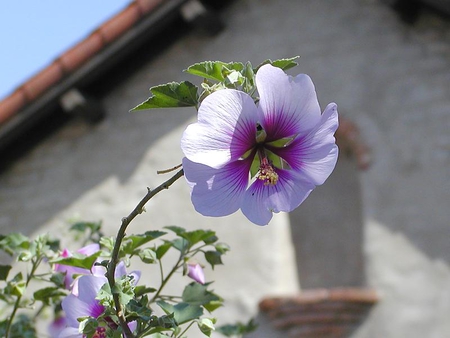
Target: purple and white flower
x,y
71,271
260,158
84,303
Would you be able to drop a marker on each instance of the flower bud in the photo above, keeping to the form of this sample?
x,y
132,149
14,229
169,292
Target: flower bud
x,y
195,271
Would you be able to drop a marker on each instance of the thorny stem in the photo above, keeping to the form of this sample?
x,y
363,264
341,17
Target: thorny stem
x,y
115,254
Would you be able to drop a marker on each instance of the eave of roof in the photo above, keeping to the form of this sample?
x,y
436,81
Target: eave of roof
x,y
104,45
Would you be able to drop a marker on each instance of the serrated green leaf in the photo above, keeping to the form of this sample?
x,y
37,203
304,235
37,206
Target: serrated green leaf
x,y
170,95
284,64
214,70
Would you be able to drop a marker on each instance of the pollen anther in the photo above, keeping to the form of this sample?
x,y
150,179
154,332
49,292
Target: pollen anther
x,y
267,173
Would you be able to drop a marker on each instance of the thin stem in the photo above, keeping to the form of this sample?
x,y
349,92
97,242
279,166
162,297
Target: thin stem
x,y
19,298
165,280
185,330
115,254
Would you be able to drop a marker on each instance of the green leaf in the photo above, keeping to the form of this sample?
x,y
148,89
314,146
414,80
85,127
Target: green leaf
x,y
198,235
162,249
180,244
183,312
14,243
136,309
46,294
173,94
16,286
148,256
133,242
206,326
58,279
213,258
237,329
214,70
177,230
197,294
4,270
78,260
222,247
284,64
83,226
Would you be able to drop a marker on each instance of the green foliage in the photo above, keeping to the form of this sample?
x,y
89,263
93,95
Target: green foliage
x,y
182,312
215,70
217,75
170,95
237,330
78,260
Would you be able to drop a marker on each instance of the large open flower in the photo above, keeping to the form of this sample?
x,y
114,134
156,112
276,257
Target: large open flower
x,y
260,158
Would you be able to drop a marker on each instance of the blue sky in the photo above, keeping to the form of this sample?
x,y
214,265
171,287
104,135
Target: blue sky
x,y
33,33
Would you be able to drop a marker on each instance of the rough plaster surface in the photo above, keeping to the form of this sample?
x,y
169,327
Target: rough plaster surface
x,y
392,79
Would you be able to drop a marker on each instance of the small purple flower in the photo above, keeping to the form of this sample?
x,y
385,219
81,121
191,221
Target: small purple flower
x,y
70,271
260,158
82,302
195,271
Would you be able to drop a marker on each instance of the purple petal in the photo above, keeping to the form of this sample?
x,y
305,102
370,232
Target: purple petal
x,y
289,103
217,192
315,155
89,249
121,270
287,194
89,286
70,332
75,308
225,129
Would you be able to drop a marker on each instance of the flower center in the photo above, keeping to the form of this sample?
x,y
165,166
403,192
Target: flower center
x,y
267,173
100,332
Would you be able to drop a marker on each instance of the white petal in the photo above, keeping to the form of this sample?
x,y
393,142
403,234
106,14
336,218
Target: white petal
x,y
225,129
216,192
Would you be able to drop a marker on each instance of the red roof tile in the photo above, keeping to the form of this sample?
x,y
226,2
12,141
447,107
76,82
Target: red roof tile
x,y
76,56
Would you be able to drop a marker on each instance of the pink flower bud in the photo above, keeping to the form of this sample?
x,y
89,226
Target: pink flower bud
x,y
195,271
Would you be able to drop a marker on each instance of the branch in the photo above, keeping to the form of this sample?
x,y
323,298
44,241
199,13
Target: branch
x,y
120,235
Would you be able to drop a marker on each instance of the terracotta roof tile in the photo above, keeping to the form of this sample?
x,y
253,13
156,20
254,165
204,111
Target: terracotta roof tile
x,y
42,81
79,54
147,5
119,24
76,56
11,104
